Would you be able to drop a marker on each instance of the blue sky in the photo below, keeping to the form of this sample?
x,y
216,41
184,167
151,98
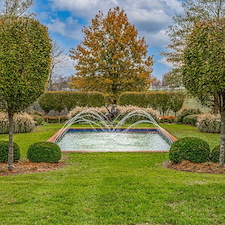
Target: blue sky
x,y
65,19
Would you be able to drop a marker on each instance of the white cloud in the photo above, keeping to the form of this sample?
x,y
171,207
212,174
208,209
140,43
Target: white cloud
x,y
155,39
151,17
70,28
149,20
83,8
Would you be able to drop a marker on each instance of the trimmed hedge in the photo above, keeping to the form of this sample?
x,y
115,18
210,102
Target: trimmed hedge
x,y
44,152
59,100
215,154
192,149
133,98
163,101
4,149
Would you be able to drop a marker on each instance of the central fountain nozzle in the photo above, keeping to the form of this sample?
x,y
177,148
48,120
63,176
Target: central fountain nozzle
x,y
112,113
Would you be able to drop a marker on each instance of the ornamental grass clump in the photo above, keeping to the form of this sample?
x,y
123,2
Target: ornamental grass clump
x,y
123,110
209,123
192,149
23,123
4,149
44,152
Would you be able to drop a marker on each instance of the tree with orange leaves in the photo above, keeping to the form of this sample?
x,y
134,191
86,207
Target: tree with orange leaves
x,y
111,58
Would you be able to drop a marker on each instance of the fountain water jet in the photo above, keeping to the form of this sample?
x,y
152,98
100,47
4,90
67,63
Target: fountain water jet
x,y
97,119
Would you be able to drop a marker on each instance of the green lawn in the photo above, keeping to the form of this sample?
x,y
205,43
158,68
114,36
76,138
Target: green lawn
x,y
180,131
112,188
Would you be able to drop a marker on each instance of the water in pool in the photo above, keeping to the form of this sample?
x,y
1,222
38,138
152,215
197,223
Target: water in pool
x,y
112,142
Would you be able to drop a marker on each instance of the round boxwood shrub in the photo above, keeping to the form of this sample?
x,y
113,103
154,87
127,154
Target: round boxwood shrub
x,y
4,149
44,152
192,149
215,154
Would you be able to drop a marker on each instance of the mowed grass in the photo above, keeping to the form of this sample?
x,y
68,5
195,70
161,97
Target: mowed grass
x,y
111,188
180,131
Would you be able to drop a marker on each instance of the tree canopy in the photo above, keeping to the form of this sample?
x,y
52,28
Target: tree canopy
x,y
194,11
204,66
25,58
111,58
24,61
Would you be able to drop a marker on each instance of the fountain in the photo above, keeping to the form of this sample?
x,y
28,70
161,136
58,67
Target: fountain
x,y
111,126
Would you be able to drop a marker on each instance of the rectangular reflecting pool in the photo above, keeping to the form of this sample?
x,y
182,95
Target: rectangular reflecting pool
x,y
86,140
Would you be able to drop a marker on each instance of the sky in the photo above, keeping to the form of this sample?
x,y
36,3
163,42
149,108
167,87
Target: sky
x,y
66,18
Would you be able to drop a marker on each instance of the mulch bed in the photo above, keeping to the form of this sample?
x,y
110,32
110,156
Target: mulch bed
x,y
208,167
26,167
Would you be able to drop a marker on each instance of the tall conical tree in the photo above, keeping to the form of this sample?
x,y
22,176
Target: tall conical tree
x,y
111,58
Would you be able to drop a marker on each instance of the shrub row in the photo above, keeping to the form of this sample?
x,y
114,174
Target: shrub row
x,y
162,101
38,152
194,150
59,100
23,123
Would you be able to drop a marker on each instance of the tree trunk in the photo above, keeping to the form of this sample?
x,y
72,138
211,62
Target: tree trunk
x,y
222,136
10,153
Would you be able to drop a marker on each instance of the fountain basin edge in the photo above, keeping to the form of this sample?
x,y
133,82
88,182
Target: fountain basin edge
x,y
165,134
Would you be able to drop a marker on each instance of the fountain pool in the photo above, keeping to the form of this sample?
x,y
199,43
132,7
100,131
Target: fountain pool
x,y
96,140
108,136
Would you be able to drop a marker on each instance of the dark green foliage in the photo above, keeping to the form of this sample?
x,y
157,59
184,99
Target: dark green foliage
x,y
163,101
190,119
133,98
44,152
4,148
151,99
25,59
192,149
176,101
215,154
59,100
187,112
38,119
